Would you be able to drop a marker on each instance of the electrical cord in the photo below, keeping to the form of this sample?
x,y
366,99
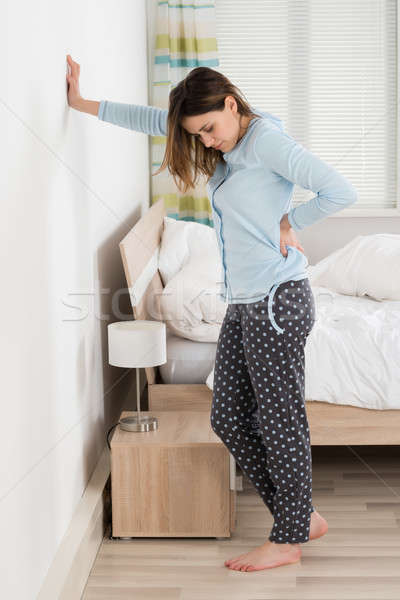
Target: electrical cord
x,y
108,433
111,537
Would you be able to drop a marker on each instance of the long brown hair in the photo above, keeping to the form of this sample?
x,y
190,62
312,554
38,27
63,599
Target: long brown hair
x,y
202,90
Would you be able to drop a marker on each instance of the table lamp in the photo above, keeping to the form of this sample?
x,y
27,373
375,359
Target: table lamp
x,y
137,344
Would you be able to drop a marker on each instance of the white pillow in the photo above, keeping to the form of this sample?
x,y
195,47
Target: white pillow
x,y
368,265
190,304
182,240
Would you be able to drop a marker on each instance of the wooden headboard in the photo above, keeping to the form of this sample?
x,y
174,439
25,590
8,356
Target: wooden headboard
x,y
139,250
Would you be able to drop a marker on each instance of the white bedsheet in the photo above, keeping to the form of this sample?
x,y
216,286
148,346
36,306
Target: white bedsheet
x,y
353,351
352,355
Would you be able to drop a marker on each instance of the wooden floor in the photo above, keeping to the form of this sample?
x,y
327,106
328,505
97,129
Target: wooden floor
x,y
356,488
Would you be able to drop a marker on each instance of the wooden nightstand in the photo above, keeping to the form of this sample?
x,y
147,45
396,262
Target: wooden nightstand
x,y
172,482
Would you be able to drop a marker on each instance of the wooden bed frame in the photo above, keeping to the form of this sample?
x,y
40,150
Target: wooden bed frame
x,y
330,424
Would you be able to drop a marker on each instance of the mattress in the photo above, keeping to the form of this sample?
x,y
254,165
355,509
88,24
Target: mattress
x,y
188,361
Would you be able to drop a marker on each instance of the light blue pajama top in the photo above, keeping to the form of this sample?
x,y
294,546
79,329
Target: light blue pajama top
x,y
249,196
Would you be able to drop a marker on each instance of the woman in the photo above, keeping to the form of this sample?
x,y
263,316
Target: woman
x,y
251,164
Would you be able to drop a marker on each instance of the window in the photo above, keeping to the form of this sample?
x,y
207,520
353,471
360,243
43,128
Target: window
x,y
328,69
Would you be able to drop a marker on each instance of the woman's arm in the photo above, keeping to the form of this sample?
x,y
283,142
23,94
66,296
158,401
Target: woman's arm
x,y
282,154
147,119
88,106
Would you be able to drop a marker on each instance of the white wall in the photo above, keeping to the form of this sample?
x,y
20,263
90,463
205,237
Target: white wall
x,y
71,188
328,235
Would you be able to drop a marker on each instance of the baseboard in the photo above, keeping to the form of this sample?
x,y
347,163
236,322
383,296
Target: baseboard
x,y
71,567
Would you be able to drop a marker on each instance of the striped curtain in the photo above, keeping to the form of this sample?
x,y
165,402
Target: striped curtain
x,y
185,39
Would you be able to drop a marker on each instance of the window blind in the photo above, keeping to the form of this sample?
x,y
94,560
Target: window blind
x,y
328,69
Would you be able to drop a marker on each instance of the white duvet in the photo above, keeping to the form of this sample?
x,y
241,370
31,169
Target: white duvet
x,y
353,351
352,355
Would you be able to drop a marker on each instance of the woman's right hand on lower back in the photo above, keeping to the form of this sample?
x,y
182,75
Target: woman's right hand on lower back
x,y
73,94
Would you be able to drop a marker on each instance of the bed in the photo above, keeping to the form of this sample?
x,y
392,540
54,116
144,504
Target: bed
x,y
331,422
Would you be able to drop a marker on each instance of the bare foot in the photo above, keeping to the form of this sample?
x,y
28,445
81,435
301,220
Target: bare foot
x,y
318,526
265,557
274,555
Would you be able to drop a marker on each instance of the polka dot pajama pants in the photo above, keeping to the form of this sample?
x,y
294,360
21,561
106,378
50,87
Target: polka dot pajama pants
x,y
258,408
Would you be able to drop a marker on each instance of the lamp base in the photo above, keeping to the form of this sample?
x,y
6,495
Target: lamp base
x,y
133,423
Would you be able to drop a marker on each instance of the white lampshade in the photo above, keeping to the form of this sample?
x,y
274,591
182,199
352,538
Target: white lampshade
x,y
137,343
